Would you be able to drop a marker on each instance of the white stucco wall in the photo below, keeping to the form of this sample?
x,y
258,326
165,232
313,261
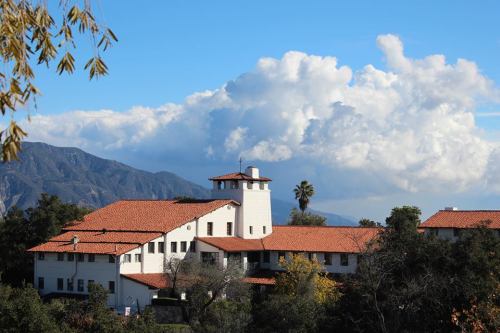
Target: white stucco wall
x,y
132,291
335,267
219,217
154,262
255,209
101,271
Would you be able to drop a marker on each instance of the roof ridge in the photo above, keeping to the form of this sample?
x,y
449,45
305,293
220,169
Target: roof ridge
x,y
325,226
469,210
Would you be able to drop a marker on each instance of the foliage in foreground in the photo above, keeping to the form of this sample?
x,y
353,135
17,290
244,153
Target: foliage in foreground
x,y
23,311
413,282
30,32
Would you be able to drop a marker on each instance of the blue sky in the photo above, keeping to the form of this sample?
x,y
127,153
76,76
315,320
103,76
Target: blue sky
x,y
169,50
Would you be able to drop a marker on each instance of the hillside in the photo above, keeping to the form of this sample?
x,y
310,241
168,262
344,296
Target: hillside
x,y
79,177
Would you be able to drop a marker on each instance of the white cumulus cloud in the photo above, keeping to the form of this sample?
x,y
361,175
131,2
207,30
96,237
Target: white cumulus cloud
x,y
410,126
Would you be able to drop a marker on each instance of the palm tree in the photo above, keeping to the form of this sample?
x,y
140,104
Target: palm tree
x,y
303,192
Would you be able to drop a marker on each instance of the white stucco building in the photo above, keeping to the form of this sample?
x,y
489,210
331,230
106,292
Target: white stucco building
x,y
450,222
124,246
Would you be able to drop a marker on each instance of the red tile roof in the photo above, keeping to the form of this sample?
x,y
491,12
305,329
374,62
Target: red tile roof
x,y
301,238
98,248
128,222
153,280
107,237
96,242
240,176
462,219
319,239
233,244
264,277
147,215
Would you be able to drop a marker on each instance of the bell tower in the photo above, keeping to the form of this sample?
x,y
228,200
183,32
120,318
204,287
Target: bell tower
x,y
253,193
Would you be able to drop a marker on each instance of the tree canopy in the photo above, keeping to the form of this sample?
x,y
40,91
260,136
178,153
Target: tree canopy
x,y
305,218
408,281
20,231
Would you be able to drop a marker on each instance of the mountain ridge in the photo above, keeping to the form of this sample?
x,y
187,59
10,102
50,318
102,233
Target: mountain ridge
x,y
87,180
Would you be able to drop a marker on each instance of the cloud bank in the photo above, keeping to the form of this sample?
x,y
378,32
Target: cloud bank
x,y
410,126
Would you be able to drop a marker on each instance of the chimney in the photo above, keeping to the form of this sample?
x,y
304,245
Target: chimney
x,y
252,172
74,241
450,208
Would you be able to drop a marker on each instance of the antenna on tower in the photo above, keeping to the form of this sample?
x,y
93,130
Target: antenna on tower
x,y
241,161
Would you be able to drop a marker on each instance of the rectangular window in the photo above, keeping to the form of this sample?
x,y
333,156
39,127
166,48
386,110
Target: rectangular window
x,y
210,228
310,256
251,230
41,255
127,258
281,255
80,285
211,258
267,257
456,232
229,228
173,247
344,259
328,259
359,257
111,287
183,246
151,247
60,256
111,259
80,256
71,257
89,283
161,247
41,283
69,284
192,246
137,257
91,257
264,230
60,283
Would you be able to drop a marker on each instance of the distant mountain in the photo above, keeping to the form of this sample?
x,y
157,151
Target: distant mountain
x,y
87,180
78,177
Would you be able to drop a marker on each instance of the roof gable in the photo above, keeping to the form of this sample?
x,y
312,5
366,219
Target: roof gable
x,y
240,176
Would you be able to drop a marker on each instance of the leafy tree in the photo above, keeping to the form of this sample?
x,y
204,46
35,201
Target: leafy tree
x,y
368,223
20,231
205,286
412,282
302,293
406,218
306,218
303,277
281,313
303,193
22,310
29,31
226,316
